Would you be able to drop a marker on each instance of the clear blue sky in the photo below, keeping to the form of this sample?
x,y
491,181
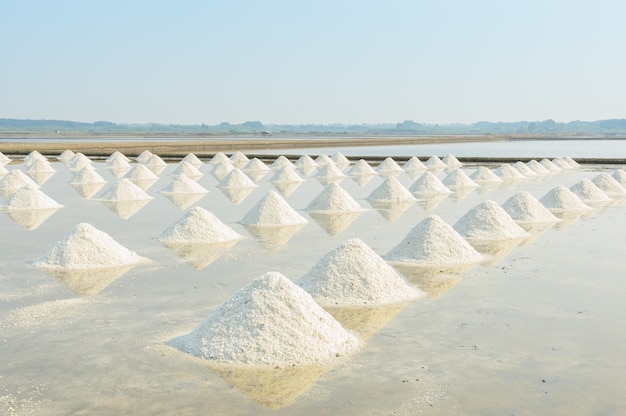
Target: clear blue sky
x,y
352,61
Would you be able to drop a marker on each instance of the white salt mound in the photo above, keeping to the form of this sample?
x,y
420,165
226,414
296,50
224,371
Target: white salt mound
x,y
524,169
118,163
389,166
116,156
273,210
87,248
330,171
561,199
30,197
198,226
192,160
140,173
450,161
155,161
124,190
4,159
620,176
433,242
484,175
219,157
14,180
239,159
281,162
340,160
414,165
537,167
270,322
588,192
144,156
286,174
572,162
184,185
237,179
428,184
354,275
32,157
391,190
334,199
323,160
64,157
458,179
361,167
508,172
305,161
609,184
40,166
488,221
562,163
255,164
188,170
3,170
549,165
434,163
526,209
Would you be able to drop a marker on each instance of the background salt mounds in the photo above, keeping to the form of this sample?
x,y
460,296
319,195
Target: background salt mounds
x,y
87,175
184,185
561,200
428,185
589,193
391,190
273,210
361,167
609,185
237,179
334,199
270,322
488,221
198,226
87,248
433,242
484,175
354,275
526,209
124,190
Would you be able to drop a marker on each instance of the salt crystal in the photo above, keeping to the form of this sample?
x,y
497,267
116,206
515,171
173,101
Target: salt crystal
x,y
3,170
620,176
488,221
329,171
118,163
273,210
560,199
40,166
458,179
428,184
286,174
255,164
588,192
140,173
526,209
33,157
391,190
13,181
144,156
323,160
572,162
65,156
305,161
198,226
484,175
4,159
117,155
222,169
334,199
609,184
281,162
562,163
30,197
155,161
125,190
219,157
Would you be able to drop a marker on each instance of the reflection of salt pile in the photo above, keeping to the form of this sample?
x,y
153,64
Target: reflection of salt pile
x,y
30,197
484,175
458,179
413,165
488,221
560,199
537,167
340,160
238,159
334,199
589,193
450,161
433,242
334,222
87,248
31,219
508,172
273,210
391,190
237,179
188,170
547,163
192,160
270,322
609,185
124,190
87,175
428,185
389,166
434,162
13,181
524,169
361,167
354,275
526,209
198,226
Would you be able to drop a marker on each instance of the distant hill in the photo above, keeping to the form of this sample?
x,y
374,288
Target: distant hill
x,y
600,127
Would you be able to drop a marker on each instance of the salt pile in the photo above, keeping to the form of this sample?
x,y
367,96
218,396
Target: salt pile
x,y
334,199
537,167
198,226
222,169
238,159
219,157
140,173
433,242
340,160
561,199
620,176
32,157
125,190
391,190
524,169
413,165
547,163
155,162
87,175
13,181
572,162
562,163
4,160
64,157
3,170
30,197
306,161
323,160
273,210
526,209
118,163
286,174
488,221
508,172
434,163
116,156
450,161
237,179
281,162
329,171
144,156
389,166
184,185
354,275
361,167
588,192
192,160
484,175
87,248
78,162
609,185
427,185
188,170
458,179
40,165
255,164
270,322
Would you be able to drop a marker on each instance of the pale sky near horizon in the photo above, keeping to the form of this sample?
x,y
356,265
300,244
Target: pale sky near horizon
x,y
431,61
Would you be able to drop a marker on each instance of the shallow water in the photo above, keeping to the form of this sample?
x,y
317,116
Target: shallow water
x,y
538,330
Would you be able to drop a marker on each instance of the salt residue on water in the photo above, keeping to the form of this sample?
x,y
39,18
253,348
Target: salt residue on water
x,y
124,190
391,190
549,165
488,221
288,173
413,165
340,160
451,161
524,169
361,167
537,167
270,322
609,184
86,247
188,170
273,210
560,199
334,199
192,160
588,192
355,275
458,179
389,165
237,179
30,197
524,208
198,226
140,173
434,162
428,185
184,185
433,242
508,172
13,181
329,171
484,175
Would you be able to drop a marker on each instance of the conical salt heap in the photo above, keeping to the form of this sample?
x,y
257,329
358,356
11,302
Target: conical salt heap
x,y
188,170
523,168
340,160
323,160
117,155
40,165
589,193
219,157
281,162
508,172
87,175
255,164
620,176
30,197
237,179
4,159
484,175
609,185
78,162
526,209
286,174
537,167
572,162
198,226
155,161
458,179
334,199
32,157
433,242
64,157
434,162
184,185
305,161
144,156
488,221
361,167
450,161
13,181
560,200
3,170
389,166
548,164
125,190
270,322
192,160
414,165
329,171
238,159
428,185
562,163
140,173
273,210
391,190
354,275
118,163
87,248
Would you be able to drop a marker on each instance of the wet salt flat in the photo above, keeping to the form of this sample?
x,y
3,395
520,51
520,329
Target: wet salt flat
x,y
537,328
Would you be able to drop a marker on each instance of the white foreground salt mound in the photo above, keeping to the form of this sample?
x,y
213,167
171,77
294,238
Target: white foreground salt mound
x,y
414,165
4,159
13,181
450,161
144,156
524,169
361,167
286,174
323,160
237,179
389,165
391,190
609,185
87,175
329,171
270,322
192,160
537,167
340,160
188,170
198,226
355,275
488,221
281,162
30,197
155,161
184,185
273,210
32,157
117,155
3,170
255,164
572,162
458,179
560,199
433,242
508,172
427,185
87,248
484,175
64,157
124,190
140,173
219,157
334,199
526,209
548,164
562,163
434,163
238,159
588,192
